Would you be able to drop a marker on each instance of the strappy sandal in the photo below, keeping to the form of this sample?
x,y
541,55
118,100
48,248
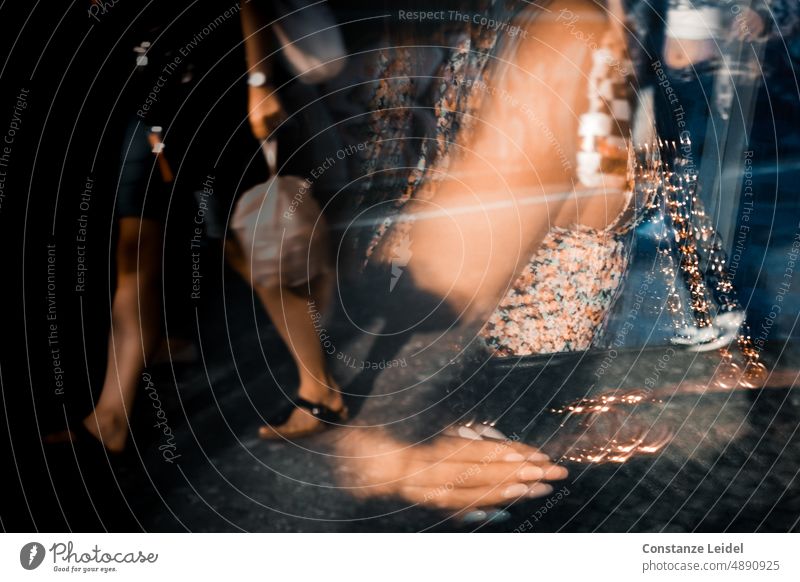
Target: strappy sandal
x,y
326,417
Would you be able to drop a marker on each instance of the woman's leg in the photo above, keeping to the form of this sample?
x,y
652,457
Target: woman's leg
x,y
293,312
134,329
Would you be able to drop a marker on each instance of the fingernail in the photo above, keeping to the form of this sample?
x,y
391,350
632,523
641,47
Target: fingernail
x,y
468,433
497,515
557,472
531,473
513,458
515,490
474,516
538,457
540,490
490,432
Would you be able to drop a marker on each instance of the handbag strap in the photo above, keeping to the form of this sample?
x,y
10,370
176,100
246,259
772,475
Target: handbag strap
x,y
269,147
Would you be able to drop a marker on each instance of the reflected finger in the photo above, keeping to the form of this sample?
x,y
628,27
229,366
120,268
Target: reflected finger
x,y
478,475
463,499
461,449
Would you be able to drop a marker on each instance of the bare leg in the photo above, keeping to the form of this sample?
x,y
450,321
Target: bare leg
x,y
134,329
292,312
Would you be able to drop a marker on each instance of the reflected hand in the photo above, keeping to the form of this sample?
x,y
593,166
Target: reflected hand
x,y
449,473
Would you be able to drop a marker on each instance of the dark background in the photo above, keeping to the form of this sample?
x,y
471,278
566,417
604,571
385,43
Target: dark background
x,y
732,463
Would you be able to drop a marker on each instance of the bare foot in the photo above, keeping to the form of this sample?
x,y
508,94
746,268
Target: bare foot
x,y
110,429
328,394
112,432
301,422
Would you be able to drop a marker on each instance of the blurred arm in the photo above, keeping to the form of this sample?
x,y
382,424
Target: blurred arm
x,y
265,109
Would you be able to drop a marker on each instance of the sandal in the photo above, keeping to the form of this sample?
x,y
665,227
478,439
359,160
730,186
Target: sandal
x,y
323,414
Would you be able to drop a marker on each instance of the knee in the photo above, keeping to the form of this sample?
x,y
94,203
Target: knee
x,y
127,254
138,248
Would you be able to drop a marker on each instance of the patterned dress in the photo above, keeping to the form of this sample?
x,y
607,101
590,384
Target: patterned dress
x,y
561,300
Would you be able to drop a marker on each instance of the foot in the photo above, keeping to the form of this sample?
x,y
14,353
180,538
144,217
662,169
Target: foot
x,y
110,429
301,422
722,331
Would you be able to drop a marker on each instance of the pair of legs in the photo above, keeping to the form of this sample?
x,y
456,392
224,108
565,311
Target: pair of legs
x,y
135,329
292,311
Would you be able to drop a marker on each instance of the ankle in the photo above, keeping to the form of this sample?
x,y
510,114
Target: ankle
x,y
313,389
109,427
106,418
